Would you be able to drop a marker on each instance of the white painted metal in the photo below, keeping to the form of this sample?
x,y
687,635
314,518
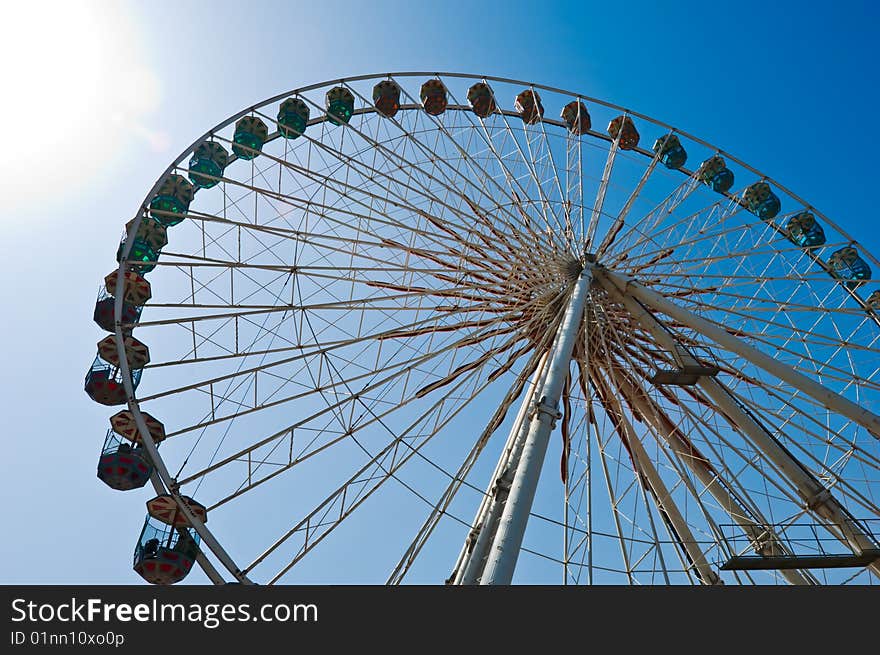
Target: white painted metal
x,y
818,392
161,470
817,497
635,392
666,504
506,545
706,475
474,553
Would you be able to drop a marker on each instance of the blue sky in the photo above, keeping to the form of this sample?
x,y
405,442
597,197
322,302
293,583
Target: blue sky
x,y
107,101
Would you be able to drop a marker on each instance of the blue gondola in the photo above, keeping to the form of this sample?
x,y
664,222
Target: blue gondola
x,y
804,230
846,264
761,201
671,153
715,173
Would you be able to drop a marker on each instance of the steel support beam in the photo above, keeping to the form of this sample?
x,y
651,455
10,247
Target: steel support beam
x,y
757,532
506,545
816,496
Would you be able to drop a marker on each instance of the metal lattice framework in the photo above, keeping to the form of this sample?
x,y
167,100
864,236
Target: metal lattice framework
x,y
362,339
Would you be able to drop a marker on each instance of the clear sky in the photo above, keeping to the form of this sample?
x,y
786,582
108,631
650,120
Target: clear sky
x,y
100,96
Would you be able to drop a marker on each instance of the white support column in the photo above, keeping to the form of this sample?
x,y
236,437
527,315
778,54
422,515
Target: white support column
x,y
665,502
469,567
708,477
512,526
818,392
758,533
816,496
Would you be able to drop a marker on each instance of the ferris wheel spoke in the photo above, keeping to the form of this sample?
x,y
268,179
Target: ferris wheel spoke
x,y
527,162
823,366
427,324
696,265
418,326
681,447
479,176
862,416
615,512
326,212
812,423
599,202
535,143
645,227
579,483
678,527
510,221
563,195
666,431
620,220
516,192
817,497
458,480
354,192
737,504
574,186
823,470
404,369
706,226
347,498
428,193
249,407
803,360
258,310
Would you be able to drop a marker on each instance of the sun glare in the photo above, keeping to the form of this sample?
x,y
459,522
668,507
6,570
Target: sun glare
x,y
77,90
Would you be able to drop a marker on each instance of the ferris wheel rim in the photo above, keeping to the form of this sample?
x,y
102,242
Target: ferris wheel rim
x,y
133,402
505,80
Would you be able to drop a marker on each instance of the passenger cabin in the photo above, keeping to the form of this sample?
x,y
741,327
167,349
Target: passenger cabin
x,y
339,102
433,96
714,172
847,265
629,135
172,200
576,117
481,99
670,152
135,288
249,137
206,166
386,98
137,355
123,465
293,118
528,106
761,201
165,552
105,308
166,509
147,243
104,383
804,230
123,423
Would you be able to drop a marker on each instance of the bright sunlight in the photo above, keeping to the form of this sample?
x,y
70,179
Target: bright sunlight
x,y
77,90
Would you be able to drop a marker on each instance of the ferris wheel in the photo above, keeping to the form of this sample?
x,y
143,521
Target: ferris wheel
x,y
410,328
